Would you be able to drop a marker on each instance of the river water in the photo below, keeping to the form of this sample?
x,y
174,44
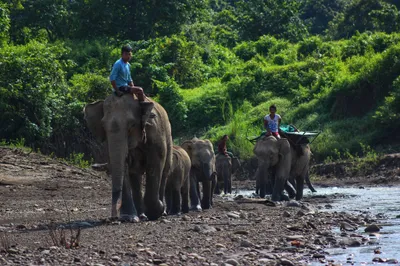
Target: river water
x,y
371,200
374,200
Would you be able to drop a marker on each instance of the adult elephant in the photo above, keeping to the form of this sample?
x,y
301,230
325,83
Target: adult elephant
x,y
273,156
118,121
202,158
269,152
226,167
177,188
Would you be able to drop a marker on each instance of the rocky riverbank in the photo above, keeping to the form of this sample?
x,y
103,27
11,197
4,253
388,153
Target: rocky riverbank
x,y
43,202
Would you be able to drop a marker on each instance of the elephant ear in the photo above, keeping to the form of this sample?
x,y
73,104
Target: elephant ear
x,y
284,150
188,147
93,113
146,108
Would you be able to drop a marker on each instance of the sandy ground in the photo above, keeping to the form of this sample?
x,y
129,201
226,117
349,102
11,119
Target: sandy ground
x,y
44,201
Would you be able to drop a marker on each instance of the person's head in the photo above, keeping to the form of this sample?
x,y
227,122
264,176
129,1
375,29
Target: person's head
x,y
126,53
225,138
272,109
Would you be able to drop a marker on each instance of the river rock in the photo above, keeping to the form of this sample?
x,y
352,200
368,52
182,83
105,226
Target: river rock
x,y
318,256
245,243
295,237
115,258
233,215
373,228
286,214
293,203
377,259
232,262
350,242
286,262
347,227
204,229
392,261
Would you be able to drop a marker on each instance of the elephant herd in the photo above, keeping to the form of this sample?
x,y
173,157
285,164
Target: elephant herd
x,y
173,174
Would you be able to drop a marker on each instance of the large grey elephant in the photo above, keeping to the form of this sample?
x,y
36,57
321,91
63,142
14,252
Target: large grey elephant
x,y
178,182
202,157
268,151
118,121
226,167
273,156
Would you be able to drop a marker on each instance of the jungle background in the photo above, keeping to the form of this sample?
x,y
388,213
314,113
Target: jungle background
x,y
215,65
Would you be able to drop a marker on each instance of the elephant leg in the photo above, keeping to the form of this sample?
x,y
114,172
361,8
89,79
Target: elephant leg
x,y
194,194
128,210
136,178
278,188
185,196
310,186
176,200
218,188
154,208
226,184
257,182
206,200
290,189
263,176
213,184
168,198
299,187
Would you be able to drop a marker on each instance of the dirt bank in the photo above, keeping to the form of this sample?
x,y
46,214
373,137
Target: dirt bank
x,y
384,170
41,198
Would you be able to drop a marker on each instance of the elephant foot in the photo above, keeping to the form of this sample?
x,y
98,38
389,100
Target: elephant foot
x,y
128,219
284,198
196,208
154,210
143,217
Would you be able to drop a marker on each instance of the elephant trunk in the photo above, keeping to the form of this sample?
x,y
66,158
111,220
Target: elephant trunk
x,y
118,151
207,171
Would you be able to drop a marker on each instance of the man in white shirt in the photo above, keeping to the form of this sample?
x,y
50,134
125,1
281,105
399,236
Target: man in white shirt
x,y
272,122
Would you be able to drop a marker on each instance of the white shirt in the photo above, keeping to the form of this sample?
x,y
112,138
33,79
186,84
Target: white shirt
x,y
273,123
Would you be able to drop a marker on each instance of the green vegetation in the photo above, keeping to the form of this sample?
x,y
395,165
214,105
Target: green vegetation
x,y
216,66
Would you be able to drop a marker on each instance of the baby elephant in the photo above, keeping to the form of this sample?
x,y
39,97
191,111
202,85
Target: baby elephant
x,y
178,182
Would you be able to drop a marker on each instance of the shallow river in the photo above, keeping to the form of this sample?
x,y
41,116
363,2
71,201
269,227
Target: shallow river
x,y
375,200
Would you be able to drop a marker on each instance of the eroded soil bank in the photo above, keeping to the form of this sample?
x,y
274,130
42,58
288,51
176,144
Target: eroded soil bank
x,y
40,196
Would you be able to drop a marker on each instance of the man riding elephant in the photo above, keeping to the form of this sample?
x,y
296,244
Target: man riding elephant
x,y
119,121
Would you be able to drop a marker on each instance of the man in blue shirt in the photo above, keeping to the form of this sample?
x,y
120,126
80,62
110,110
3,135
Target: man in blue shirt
x,y
120,76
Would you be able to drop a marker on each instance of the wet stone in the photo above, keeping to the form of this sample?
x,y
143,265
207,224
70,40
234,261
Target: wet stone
x,y
373,228
286,262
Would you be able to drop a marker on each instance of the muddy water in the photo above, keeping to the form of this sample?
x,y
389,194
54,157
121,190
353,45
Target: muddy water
x,y
374,200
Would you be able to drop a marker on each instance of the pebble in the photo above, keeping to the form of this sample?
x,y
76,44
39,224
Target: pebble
x,y
218,245
347,227
115,258
241,232
318,256
286,262
295,237
46,252
300,214
350,242
245,243
293,203
12,251
232,262
186,218
233,215
204,229
286,214
373,228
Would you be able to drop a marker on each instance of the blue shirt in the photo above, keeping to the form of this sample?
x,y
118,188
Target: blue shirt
x,y
121,73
